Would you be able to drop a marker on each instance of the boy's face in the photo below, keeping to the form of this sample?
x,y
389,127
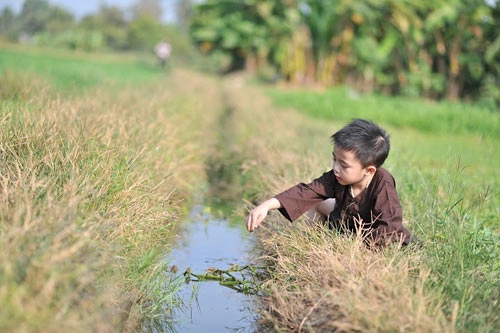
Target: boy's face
x,y
348,169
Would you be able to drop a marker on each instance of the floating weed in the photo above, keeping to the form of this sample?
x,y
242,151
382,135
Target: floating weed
x,y
242,279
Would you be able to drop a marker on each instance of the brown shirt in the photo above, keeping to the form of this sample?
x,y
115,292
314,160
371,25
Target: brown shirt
x,y
376,211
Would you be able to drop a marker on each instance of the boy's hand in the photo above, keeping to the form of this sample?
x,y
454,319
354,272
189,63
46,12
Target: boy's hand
x,y
256,216
259,213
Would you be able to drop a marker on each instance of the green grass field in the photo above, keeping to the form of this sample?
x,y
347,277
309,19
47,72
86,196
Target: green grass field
x,y
402,112
70,71
101,154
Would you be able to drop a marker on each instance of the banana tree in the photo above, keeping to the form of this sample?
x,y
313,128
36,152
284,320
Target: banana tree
x,y
457,29
322,20
355,41
248,32
410,63
373,45
490,88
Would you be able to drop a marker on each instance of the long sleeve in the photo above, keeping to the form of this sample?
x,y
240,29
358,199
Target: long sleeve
x,y
378,208
300,198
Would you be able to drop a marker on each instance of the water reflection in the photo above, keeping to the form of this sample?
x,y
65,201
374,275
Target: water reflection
x,y
209,307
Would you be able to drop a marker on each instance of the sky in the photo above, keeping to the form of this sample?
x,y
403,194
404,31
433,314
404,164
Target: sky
x,y
80,8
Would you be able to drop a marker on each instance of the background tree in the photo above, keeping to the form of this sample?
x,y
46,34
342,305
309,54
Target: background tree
x,y
150,8
144,32
489,91
34,16
431,48
184,13
111,22
59,20
323,19
456,28
8,27
246,33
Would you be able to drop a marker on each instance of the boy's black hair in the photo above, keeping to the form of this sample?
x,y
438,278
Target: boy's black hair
x,y
367,140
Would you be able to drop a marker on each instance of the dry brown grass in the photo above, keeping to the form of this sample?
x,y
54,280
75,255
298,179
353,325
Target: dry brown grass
x,y
90,187
323,282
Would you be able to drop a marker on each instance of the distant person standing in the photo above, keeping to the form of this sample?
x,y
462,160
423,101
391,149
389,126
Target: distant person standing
x,y
162,51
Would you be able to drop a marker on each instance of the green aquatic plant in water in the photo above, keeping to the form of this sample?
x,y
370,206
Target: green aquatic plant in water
x,y
242,279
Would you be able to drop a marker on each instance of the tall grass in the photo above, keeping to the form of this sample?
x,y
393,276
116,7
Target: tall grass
x,y
459,220
319,281
92,186
322,281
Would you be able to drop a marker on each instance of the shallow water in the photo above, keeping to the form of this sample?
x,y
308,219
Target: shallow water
x,y
210,242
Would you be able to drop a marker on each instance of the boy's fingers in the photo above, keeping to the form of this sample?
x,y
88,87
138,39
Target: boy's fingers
x,y
252,222
249,222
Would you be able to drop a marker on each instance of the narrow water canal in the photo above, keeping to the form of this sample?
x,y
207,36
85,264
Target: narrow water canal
x,y
209,242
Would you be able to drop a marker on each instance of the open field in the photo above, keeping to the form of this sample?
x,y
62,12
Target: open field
x,y
94,180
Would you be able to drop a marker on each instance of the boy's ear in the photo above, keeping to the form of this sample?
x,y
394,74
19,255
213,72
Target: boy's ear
x,y
371,170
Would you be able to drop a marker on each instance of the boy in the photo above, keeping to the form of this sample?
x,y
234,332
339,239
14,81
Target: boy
x,y
357,195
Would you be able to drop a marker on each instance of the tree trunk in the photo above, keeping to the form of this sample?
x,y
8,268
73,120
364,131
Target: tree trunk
x,y
250,62
453,90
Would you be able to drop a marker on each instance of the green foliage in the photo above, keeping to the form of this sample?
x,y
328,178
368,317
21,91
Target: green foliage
x,y
245,30
74,39
322,19
436,49
109,28
59,20
111,23
158,289
143,33
8,23
182,49
34,16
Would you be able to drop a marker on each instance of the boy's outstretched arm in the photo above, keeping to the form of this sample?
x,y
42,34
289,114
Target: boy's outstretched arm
x,y
259,213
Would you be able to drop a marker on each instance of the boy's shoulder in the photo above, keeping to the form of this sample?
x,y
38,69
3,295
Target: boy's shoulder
x,y
383,175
